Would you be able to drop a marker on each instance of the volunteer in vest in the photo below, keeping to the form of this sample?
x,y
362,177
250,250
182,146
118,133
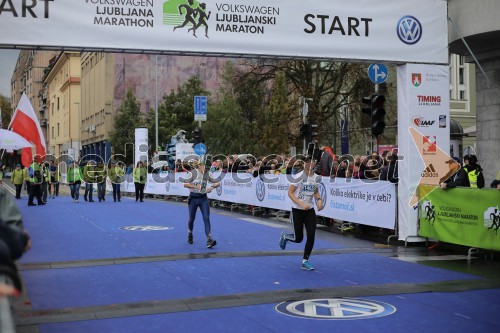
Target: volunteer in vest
x,y
35,179
474,171
303,193
89,179
140,178
116,176
74,180
18,179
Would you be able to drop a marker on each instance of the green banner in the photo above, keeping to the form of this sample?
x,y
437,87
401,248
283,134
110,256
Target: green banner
x,y
464,216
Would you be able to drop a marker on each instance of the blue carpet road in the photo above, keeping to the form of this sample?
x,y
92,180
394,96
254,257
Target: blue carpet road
x,y
127,267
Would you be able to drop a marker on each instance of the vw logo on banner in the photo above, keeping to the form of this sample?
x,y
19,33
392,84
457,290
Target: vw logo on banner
x,y
322,192
409,30
219,188
167,185
336,309
260,190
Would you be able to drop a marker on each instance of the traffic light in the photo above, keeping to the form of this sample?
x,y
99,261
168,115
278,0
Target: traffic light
x,y
197,136
305,130
309,132
375,108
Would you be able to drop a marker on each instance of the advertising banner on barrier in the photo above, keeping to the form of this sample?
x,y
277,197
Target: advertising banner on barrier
x,y
390,30
463,216
358,201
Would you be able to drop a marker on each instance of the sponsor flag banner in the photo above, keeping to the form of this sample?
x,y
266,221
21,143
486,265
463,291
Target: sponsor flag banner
x,y
390,30
423,137
25,123
463,216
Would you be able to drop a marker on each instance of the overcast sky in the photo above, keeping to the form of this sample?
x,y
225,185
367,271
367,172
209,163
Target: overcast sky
x,y
8,60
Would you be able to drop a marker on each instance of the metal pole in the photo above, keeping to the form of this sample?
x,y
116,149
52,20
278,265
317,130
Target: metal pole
x,y
156,102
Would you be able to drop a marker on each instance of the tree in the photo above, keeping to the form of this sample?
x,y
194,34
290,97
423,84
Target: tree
x,y
331,85
126,120
6,111
276,125
175,112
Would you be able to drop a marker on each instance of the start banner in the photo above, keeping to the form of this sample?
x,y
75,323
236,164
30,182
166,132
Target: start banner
x,y
392,30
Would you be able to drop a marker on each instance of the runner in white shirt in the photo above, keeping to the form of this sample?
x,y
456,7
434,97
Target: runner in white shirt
x,y
303,214
198,198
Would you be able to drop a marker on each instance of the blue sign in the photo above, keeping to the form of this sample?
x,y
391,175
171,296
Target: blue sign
x,y
377,73
200,149
200,108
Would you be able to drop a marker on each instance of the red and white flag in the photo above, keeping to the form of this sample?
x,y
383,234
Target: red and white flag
x,y
25,123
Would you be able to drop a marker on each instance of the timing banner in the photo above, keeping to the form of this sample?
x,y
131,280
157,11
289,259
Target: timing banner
x,y
423,136
463,216
359,201
390,30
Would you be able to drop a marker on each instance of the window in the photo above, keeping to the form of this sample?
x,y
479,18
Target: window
x,y
461,75
57,103
53,133
462,95
58,130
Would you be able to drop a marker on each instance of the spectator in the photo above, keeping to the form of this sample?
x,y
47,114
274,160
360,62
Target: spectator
x,y
496,183
14,241
100,178
325,161
459,178
390,170
89,179
55,177
474,171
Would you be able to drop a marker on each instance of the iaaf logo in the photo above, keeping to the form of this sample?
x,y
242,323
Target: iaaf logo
x,y
421,122
188,14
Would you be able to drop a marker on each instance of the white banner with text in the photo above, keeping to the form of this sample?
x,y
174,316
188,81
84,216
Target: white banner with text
x,y
390,30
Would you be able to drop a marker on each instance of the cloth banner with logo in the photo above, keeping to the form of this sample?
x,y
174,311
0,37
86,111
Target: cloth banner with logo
x,y
463,216
354,200
423,136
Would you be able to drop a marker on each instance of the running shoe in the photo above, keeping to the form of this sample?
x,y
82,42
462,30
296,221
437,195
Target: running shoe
x,y
307,266
190,238
211,243
283,240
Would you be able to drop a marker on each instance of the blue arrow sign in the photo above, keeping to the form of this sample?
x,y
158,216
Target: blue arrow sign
x,y
377,73
200,149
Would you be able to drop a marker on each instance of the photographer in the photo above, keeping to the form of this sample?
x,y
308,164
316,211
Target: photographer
x,y
140,177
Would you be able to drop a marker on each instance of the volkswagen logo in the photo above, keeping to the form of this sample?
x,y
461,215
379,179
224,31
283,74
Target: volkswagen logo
x,y
219,188
260,190
409,30
336,309
167,185
322,192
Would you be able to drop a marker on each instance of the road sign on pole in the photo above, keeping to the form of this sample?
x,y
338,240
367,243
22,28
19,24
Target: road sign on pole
x,y
200,108
377,73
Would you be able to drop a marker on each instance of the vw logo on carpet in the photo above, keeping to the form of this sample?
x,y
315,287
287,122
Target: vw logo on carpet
x,y
146,228
336,309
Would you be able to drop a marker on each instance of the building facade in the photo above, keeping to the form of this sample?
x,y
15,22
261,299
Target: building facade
x,y
28,78
62,87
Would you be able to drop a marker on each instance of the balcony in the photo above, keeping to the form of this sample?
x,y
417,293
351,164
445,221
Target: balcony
x,y
44,122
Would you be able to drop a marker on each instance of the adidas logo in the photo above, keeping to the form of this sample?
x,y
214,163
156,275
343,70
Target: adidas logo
x,y
430,172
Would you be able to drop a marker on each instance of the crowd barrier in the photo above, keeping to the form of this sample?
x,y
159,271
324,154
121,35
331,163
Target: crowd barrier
x,y
463,216
353,200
